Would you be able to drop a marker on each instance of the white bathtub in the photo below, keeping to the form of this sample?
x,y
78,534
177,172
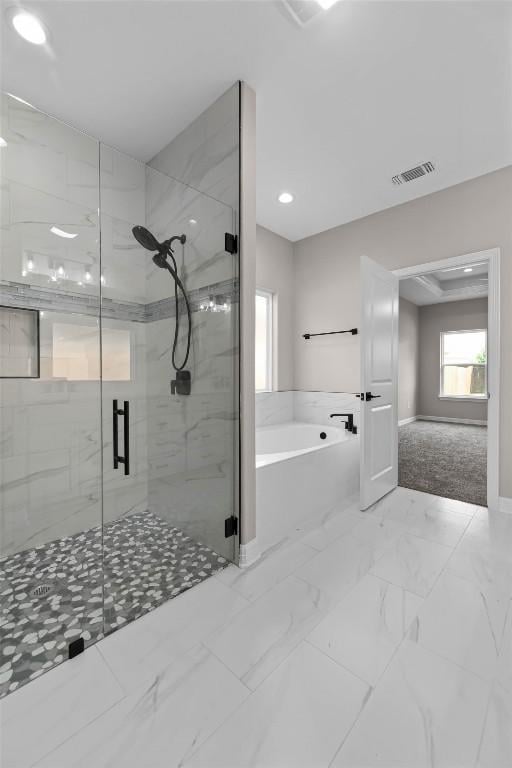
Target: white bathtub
x,y
301,474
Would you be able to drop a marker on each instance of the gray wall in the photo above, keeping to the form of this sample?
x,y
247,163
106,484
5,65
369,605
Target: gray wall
x,y
408,360
274,272
462,219
452,316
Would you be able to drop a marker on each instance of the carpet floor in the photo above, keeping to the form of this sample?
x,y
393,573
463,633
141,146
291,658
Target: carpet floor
x,y
444,459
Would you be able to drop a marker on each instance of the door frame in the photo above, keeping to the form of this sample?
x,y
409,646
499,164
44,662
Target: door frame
x,y
493,258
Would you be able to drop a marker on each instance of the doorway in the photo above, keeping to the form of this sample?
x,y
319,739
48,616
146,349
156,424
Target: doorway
x,y
449,447
457,380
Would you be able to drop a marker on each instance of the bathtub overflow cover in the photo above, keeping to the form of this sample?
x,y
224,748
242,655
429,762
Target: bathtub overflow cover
x,y
322,435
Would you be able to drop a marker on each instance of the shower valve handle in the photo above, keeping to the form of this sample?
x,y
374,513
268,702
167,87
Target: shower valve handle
x,y
181,385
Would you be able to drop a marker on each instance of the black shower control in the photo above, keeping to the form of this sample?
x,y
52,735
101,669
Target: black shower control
x,y
182,384
322,435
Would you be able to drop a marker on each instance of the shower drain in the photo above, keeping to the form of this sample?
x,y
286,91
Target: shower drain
x,y
42,590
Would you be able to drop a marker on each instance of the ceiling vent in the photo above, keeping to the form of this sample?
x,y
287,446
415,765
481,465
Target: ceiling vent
x,y
302,11
413,173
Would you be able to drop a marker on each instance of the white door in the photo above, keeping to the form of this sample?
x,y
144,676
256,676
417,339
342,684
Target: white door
x,y
379,382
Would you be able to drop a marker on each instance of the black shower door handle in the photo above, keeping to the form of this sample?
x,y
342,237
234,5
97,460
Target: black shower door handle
x,y
125,413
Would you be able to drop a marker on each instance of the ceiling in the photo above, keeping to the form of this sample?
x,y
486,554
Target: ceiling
x,y
365,91
453,284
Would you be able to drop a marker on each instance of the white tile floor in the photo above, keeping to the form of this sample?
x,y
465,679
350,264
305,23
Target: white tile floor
x,y
374,640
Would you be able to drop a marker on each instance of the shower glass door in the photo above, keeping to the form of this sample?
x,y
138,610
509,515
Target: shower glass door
x,y
169,460
50,448
114,492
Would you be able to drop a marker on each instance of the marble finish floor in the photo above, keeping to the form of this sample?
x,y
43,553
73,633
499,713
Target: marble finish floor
x,y
380,639
89,585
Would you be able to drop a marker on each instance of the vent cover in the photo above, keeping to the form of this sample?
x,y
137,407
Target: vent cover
x,y
302,11
413,173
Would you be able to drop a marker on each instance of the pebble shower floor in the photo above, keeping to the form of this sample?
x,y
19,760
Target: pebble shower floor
x,y
89,585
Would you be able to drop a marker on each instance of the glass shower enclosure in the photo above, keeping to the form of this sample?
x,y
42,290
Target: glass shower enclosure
x,y
116,495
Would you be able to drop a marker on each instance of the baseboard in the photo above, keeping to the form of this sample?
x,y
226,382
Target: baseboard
x,y
506,504
478,422
407,421
249,553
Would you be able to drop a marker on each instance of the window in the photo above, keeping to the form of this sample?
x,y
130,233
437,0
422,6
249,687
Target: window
x,y
463,364
263,341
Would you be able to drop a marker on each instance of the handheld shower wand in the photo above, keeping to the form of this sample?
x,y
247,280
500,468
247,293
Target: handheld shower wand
x,y
181,385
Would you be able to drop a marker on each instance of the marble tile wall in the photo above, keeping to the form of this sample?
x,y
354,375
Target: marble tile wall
x,y
49,179
50,469
191,439
125,495
124,266
184,448
309,407
205,154
192,448
123,205
316,407
274,408
50,448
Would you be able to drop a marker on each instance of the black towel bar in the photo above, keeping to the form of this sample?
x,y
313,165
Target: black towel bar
x,y
353,331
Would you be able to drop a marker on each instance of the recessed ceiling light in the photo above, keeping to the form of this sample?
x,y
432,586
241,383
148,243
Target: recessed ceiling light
x,y
192,222
326,4
468,269
3,142
62,233
29,27
285,197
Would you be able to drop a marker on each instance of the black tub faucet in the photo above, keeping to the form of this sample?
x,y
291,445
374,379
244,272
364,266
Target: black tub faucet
x,y
349,424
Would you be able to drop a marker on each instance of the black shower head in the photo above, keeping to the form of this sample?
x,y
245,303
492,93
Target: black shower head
x,y
147,240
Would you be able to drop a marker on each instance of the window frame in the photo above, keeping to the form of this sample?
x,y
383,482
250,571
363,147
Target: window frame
x,y
470,398
269,367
